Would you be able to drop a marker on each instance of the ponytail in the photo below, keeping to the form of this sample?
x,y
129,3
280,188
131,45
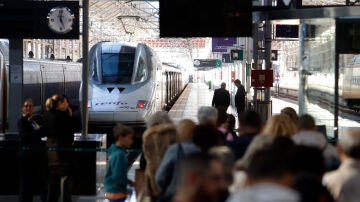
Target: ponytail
x,y
53,101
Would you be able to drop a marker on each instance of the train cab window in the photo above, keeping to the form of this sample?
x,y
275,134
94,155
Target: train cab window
x,y
141,71
117,67
93,71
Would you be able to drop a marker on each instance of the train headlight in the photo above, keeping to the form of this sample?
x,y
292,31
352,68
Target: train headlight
x,y
141,104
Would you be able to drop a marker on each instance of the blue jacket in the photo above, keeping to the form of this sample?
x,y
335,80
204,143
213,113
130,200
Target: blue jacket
x,y
116,175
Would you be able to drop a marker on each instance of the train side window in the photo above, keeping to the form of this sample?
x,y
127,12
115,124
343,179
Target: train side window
x,y
141,71
357,60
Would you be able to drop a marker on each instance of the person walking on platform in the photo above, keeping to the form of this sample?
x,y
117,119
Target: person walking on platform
x,y
221,97
116,180
31,160
239,97
59,130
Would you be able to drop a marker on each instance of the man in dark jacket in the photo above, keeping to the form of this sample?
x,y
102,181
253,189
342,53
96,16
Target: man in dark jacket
x,y
221,97
239,97
32,160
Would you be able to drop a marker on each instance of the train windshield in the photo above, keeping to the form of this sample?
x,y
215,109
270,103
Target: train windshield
x,y
117,67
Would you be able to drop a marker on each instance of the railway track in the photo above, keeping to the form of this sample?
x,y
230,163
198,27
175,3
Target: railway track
x,y
316,97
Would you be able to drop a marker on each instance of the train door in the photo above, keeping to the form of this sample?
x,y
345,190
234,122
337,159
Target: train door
x,y
2,93
72,78
167,84
32,83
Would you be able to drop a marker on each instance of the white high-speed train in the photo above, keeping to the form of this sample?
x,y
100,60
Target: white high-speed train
x,y
128,83
41,79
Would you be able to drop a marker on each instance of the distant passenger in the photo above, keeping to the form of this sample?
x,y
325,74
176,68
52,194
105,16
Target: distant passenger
x,y
207,114
32,160
239,97
52,57
309,136
291,113
231,121
344,183
116,180
221,97
223,125
159,135
31,54
280,125
68,59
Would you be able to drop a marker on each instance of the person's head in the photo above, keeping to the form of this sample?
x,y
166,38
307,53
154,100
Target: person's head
x,y
306,122
157,118
310,188
231,121
237,82
66,100
57,102
272,161
28,107
291,113
207,115
279,124
227,158
123,135
185,130
250,122
349,143
206,136
223,85
201,178
310,160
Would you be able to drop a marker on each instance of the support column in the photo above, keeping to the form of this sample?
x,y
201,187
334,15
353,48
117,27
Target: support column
x,y
255,33
268,65
43,52
302,76
85,71
15,82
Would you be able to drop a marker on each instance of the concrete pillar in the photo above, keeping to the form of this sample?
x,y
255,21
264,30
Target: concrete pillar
x,y
15,82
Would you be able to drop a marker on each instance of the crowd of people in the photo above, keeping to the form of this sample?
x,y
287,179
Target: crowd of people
x,y
283,159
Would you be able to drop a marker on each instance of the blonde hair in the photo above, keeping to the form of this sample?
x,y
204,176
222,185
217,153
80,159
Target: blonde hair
x,y
185,130
53,101
291,113
280,124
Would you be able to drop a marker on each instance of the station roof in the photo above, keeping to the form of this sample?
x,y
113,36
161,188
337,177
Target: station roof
x,y
138,21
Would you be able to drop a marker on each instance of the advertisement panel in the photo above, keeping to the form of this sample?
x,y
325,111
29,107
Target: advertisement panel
x,y
220,45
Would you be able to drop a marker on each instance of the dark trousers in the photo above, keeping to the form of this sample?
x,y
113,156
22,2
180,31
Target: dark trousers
x,y
32,179
59,185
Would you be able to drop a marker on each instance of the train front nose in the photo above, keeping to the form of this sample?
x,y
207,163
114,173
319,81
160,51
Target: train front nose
x,y
116,104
